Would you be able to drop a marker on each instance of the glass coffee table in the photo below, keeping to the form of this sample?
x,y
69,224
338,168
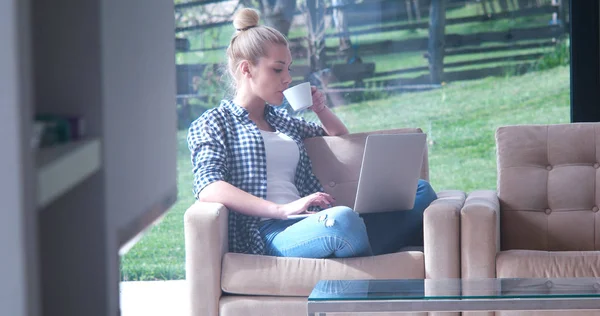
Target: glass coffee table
x,y
453,295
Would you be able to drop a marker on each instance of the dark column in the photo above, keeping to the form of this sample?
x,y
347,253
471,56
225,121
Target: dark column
x,y
585,61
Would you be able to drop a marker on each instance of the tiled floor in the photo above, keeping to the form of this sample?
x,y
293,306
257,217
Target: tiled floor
x,y
154,298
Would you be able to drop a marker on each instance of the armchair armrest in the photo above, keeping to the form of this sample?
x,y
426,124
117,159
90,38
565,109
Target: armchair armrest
x,y
441,228
206,242
480,234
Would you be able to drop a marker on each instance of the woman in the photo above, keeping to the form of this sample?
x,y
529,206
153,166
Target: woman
x,y
249,156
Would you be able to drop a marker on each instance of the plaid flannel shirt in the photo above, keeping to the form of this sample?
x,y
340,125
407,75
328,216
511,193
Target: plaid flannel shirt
x,y
226,145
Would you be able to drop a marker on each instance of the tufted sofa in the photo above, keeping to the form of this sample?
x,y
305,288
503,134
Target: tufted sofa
x,y
543,221
228,284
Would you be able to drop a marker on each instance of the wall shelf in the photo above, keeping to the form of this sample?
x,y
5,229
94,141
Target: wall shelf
x,y
62,167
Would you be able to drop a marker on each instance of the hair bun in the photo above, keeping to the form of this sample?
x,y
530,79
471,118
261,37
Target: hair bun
x,y
245,18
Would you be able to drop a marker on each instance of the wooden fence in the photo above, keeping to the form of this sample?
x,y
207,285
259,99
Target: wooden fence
x,y
372,17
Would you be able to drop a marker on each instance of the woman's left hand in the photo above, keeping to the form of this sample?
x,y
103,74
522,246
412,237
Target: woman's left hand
x,y
319,100
332,125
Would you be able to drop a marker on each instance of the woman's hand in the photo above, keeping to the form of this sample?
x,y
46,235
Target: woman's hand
x,y
321,199
331,123
319,100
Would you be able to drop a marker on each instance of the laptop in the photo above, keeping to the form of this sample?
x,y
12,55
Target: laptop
x,y
390,172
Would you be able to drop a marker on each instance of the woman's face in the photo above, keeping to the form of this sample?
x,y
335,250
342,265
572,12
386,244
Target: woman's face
x,y
271,74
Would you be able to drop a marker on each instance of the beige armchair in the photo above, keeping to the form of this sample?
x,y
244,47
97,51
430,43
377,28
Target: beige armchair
x,y
543,221
226,284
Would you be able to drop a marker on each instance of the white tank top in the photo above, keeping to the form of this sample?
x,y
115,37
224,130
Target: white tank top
x,y
282,159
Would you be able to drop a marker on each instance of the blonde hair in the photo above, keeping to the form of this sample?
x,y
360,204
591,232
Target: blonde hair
x,y
249,42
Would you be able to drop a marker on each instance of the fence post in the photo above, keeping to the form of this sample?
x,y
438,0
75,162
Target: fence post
x,y
563,14
437,26
417,9
316,34
408,10
504,6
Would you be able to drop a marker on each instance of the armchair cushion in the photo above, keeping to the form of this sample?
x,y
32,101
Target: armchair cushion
x,y
262,305
547,264
547,186
272,305
267,275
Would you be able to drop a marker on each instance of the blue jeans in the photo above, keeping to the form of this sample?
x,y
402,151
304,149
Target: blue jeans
x,y
340,232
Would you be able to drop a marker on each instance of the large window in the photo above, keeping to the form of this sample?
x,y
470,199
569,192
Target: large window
x,y
456,69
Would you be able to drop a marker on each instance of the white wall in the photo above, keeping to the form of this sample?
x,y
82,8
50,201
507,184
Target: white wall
x,y
139,109
113,62
13,266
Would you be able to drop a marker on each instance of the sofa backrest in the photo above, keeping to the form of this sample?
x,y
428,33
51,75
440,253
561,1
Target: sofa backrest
x,y
336,162
548,186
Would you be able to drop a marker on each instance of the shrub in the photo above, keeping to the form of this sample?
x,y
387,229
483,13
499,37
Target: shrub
x,y
559,56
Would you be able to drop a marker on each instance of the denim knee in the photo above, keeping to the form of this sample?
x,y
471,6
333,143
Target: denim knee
x,y
348,225
343,214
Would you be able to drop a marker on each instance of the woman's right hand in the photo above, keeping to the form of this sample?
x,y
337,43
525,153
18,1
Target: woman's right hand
x,y
321,199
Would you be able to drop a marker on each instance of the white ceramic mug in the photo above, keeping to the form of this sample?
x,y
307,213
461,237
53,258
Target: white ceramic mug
x,y
299,96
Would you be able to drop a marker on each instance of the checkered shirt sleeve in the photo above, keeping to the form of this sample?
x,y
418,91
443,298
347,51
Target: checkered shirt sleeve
x,y
206,143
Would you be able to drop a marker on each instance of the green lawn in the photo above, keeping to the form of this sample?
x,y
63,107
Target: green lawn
x,y
460,119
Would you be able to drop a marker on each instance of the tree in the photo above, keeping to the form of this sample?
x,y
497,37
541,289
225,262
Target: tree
x,y
275,13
